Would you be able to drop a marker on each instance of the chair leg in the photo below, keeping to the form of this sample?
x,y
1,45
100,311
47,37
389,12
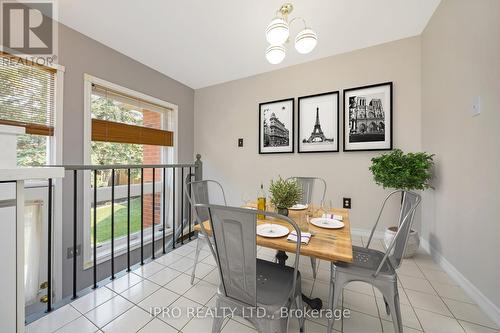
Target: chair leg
x,y
387,309
218,320
300,305
396,312
313,265
336,286
196,255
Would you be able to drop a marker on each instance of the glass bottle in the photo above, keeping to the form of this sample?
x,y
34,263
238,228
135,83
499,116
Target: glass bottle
x,y
261,202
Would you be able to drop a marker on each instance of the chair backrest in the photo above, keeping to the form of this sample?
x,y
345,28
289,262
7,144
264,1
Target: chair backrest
x,y
205,192
307,184
234,234
395,251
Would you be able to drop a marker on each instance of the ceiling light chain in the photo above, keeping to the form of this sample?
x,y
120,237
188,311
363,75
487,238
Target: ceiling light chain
x,y
278,33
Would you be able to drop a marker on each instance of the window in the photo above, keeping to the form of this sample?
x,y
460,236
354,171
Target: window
x,y
27,99
126,127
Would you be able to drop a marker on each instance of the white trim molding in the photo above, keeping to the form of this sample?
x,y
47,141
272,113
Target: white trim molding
x,y
491,310
167,156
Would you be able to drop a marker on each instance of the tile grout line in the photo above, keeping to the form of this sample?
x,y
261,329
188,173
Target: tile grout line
x,y
449,309
439,296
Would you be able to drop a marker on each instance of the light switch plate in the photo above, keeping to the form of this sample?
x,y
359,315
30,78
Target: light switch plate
x,y
476,106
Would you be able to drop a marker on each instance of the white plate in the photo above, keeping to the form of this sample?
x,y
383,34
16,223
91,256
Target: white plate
x,y
298,207
272,230
327,223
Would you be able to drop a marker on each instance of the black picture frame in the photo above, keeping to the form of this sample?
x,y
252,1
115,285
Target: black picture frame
x,y
290,148
336,128
369,146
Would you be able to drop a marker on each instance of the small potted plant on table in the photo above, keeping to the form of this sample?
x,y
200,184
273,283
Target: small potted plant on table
x,y
401,171
284,194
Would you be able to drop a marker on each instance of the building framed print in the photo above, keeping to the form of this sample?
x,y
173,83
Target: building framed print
x,y
276,123
368,117
318,120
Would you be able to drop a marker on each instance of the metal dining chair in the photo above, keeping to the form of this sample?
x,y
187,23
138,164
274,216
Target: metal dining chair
x,y
203,192
376,267
251,287
308,184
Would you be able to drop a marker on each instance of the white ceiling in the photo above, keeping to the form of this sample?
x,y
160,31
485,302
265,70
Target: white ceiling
x,y
205,42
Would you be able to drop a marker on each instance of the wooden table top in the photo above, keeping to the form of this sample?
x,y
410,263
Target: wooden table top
x,y
326,244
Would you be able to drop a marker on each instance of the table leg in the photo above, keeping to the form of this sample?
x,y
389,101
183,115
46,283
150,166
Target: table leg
x,y
314,303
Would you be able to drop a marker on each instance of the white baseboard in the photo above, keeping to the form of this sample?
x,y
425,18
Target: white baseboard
x,y
379,234
491,310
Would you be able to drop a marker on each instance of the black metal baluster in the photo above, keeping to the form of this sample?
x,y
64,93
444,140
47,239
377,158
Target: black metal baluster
x,y
128,221
173,207
75,204
142,216
182,206
189,203
164,209
153,220
112,224
95,229
49,249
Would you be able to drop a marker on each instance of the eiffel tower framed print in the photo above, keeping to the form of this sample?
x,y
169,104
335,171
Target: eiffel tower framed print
x,y
318,123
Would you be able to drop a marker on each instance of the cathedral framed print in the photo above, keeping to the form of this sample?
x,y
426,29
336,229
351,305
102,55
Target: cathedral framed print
x,y
276,125
318,123
368,118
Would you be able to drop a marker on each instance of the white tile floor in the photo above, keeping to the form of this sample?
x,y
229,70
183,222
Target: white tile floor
x,y
430,300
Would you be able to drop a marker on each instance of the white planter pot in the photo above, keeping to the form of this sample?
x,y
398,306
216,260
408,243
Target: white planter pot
x,y
413,241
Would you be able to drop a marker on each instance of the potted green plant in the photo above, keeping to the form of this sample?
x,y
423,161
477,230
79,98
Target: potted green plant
x,y
397,170
284,194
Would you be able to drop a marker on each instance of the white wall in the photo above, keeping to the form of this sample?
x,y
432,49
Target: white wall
x,y
461,218
228,111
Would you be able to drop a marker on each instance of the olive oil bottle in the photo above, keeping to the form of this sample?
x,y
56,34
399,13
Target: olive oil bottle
x,y
261,202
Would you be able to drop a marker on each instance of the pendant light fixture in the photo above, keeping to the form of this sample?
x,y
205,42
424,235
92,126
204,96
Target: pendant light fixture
x,y
278,33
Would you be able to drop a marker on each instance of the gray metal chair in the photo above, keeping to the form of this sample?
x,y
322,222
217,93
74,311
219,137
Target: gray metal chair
x,y
249,286
375,267
203,192
308,184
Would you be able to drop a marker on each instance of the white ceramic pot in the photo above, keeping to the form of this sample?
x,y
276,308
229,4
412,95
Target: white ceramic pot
x,y
413,240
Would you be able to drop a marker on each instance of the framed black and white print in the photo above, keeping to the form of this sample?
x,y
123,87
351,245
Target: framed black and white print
x,y
318,123
368,118
276,125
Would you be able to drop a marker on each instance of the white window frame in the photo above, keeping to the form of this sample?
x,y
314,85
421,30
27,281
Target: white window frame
x,y
103,254
55,157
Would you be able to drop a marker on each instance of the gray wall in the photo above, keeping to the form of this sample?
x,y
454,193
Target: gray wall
x,y
80,54
461,60
228,111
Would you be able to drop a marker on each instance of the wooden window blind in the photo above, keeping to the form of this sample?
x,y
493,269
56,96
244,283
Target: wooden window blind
x,y
27,95
105,127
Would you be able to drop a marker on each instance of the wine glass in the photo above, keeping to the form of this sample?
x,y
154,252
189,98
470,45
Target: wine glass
x,y
327,208
247,200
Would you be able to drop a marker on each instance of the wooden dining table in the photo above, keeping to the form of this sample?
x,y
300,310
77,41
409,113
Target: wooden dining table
x,y
326,244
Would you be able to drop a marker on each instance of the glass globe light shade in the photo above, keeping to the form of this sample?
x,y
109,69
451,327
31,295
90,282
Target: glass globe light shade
x,y
306,41
277,31
275,54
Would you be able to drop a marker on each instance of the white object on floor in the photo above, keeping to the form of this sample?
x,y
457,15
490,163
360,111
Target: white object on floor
x,y
412,244
272,230
327,223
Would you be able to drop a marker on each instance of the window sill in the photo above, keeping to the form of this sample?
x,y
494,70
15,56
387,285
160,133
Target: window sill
x,y
104,252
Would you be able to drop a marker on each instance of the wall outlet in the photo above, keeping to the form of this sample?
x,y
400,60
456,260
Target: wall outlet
x,y
346,203
240,142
